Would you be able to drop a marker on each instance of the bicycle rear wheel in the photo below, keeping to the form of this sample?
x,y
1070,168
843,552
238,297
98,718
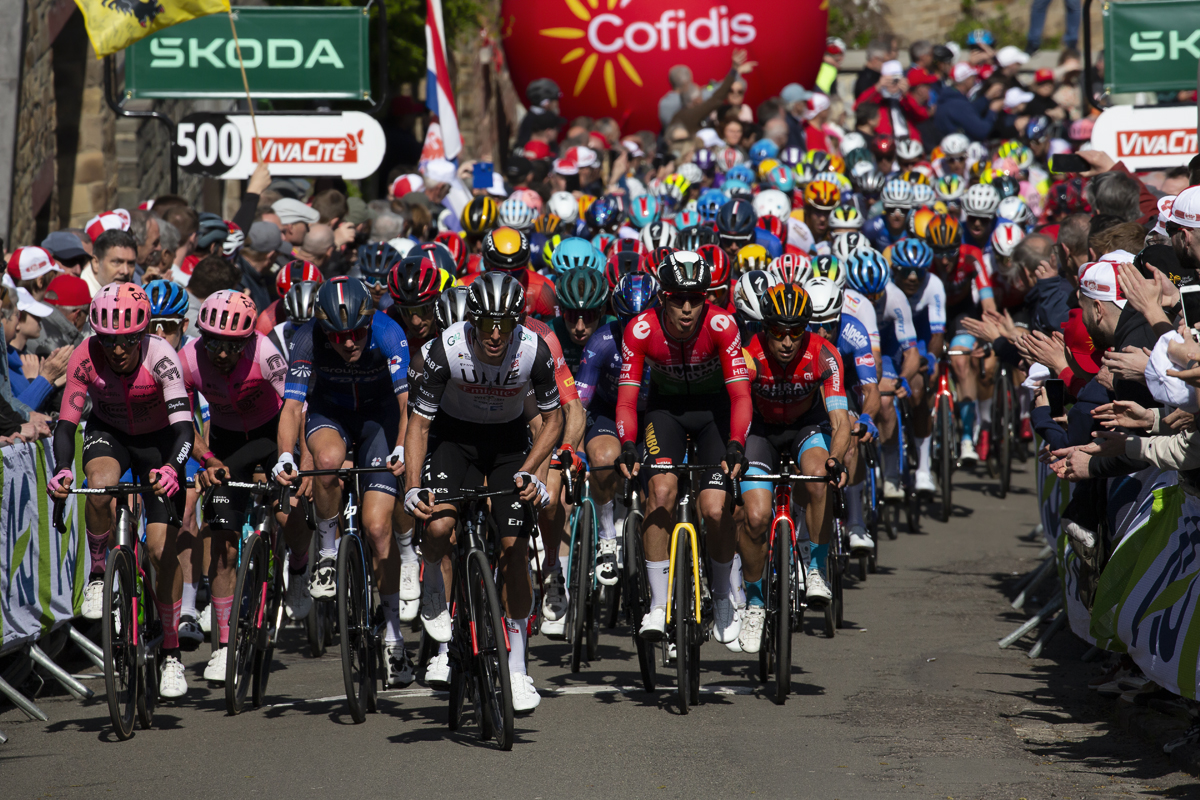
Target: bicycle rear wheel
x,y
782,567
1007,415
683,612
354,617
945,439
770,581
120,653
245,623
150,657
495,706
579,610
637,595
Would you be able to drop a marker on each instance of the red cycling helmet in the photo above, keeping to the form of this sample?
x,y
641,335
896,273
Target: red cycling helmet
x,y
625,262
657,257
415,281
774,225
719,261
626,246
454,244
294,272
883,145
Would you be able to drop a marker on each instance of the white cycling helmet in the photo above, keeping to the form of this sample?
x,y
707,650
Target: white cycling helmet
x,y
826,299
402,244
749,290
849,244
1014,209
514,213
772,203
836,178
853,141
791,268
898,194
981,200
691,172
976,151
659,234
564,206
955,144
909,149
923,195
635,188
1006,237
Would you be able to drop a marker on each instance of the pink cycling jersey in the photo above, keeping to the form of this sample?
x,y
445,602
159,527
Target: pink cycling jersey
x,y
144,401
249,396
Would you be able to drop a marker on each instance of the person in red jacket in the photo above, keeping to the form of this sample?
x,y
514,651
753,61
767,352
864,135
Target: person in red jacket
x,y
901,113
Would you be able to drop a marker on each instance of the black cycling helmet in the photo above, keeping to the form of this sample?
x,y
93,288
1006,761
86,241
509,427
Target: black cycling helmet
x,y
376,261
697,236
415,281
684,271
581,288
786,304
506,248
479,216
496,294
1006,185
344,304
451,306
736,221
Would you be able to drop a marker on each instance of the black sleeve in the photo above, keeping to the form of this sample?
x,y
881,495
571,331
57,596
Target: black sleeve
x,y
244,217
1115,467
1006,351
184,437
433,381
545,387
64,442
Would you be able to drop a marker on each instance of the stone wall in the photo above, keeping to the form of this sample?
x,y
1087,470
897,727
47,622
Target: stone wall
x,y
933,19
33,174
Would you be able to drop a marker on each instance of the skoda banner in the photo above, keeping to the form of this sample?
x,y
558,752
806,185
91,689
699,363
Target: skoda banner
x,y
1151,46
611,57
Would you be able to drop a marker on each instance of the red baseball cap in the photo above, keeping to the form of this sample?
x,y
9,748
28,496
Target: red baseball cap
x,y
68,290
1043,76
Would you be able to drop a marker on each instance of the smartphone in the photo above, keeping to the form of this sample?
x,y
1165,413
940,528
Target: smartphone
x,y
1056,394
1190,297
482,175
1068,162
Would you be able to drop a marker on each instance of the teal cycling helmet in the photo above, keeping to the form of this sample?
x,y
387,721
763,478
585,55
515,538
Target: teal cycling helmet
x,y
643,210
575,252
167,299
581,288
912,254
868,273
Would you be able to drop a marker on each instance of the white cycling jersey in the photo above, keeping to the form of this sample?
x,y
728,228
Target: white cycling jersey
x,y
859,307
894,308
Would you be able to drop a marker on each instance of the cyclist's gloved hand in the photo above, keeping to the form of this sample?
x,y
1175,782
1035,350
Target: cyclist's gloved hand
x,y
629,455
411,498
866,421
835,469
543,496
168,479
907,388
285,464
397,455
57,483
735,455
581,462
564,458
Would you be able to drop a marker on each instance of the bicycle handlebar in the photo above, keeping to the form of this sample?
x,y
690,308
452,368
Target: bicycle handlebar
x,y
118,491
468,494
735,490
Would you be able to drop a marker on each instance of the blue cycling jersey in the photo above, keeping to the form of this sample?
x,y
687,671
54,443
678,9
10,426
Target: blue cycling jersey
x,y
854,344
600,367
878,234
323,378
770,241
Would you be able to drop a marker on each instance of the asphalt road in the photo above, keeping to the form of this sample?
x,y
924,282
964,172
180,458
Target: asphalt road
x,y
913,698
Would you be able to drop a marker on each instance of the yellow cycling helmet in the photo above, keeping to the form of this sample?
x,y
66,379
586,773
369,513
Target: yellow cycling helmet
x,y
753,256
480,215
505,248
837,164
585,202
547,223
765,166
915,176
823,195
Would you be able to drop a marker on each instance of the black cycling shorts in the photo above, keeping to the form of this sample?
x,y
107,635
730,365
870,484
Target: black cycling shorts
x,y
241,452
140,453
766,443
668,429
601,421
462,455
371,432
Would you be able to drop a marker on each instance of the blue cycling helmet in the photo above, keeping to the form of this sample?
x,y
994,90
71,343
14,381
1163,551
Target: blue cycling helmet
x,y
741,173
781,178
734,189
868,273
687,219
912,254
603,215
981,36
344,304
167,299
376,261
537,246
1038,128
791,156
643,210
709,204
762,150
575,252
634,293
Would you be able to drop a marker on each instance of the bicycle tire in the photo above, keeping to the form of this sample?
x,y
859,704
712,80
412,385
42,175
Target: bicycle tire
x,y
837,573
273,617
147,696
314,627
683,612
637,597
782,563
579,610
491,665
120,655
355,621
458,695
945,421
245,620
770,580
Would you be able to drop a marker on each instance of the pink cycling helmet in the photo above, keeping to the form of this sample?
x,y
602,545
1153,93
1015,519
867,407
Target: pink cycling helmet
x,y
228,313
120,308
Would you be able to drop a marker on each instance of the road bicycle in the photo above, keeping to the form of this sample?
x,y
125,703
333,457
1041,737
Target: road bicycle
x,y
591,602
868,453
634,583
132,634
1004,428
946,437
910,506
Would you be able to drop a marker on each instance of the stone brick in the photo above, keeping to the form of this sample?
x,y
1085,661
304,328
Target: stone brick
x,y
89,167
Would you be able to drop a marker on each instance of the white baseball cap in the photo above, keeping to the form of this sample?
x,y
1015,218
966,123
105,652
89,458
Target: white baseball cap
x,y
1185,210
1009,55
1164,213
1098,281
963,71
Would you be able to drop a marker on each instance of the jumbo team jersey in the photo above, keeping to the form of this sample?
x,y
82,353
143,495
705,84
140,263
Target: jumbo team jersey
x,y
539,292
456,382
784,393
248,397
710,362
321,377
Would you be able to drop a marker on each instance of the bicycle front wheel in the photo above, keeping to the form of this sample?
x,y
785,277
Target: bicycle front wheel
x,y
945,423
316,621
120,653
579,610
637,595
247,617
354,618
269,631
683,613
495,688
782,635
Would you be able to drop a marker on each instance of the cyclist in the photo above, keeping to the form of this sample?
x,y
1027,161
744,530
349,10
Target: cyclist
x,y
141,421
507,250
979,206
597,377
718,290
478,217
415,284
469,426
821,197
790,367
699,388
350,365
289,274
736,226
583,297
896,199
300,304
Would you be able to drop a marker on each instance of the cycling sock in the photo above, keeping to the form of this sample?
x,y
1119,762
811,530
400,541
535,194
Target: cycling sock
x,y
391,614
297,561
754,595
443,648
169,614
516,629
854,515
408,553
222,606
327,530
735,582
1023,397
817,556
98,547
607,529
562,564
432,577
966,411
985,411
656,572
720,574
891,459
189,600
923,445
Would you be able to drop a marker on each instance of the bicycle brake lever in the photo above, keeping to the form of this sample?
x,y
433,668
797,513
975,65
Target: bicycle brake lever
x,y
59,507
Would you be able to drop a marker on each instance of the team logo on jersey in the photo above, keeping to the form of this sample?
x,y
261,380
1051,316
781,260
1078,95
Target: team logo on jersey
x,y
865,361
395,364
442,476
721,322
641,329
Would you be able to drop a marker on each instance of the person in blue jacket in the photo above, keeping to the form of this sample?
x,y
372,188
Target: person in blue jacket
x,y
957,114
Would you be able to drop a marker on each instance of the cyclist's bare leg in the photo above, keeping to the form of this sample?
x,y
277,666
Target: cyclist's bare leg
x,y
98,512
660,516
718,524
514,565
190,552
922,423
602,451
818,513
753,518
329,452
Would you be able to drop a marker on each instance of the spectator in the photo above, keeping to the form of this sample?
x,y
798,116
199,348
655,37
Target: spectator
x,y
1037,22
901,113
816,114
1010,59
956,114
68,251
257,263
144,227
168,237
33,379
878,51
696,107
294,219
1114,193
543,135
736,105
543,96
866,119
317,247
671,103
33,272
212,274
795,97
386,227
187,222
777,131
831,62
731,132
116,256
71,299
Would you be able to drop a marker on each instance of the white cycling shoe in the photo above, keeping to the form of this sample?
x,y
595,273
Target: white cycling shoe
x,y
607,570
754,618
93,599
215,671
817,591
171,680
298,600
554,606
435,616
410,580
925,484
861,542
727,620
654,624
892,490
966,453
437,671
525,697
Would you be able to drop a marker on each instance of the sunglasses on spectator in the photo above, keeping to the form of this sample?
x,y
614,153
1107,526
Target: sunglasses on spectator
x,y
588,315
216,345
684,298
166,326
486,325
782,332
126,341
350,337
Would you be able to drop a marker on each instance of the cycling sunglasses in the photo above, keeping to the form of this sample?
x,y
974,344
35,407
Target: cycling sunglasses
x,y
166,326
126,341
215,345
374,280
353,336
946,252
904,273
786,331
486,325
817,327
423,311
588,315
682,298
894,210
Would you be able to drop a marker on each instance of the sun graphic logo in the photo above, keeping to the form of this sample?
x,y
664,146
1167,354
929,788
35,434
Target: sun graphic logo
x,y
610,31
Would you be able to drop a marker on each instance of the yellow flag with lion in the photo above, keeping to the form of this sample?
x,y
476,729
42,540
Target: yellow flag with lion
x,y
113,25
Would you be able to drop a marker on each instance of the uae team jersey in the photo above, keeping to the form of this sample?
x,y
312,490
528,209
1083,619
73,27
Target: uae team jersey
x,y
321,377
784,393
248,397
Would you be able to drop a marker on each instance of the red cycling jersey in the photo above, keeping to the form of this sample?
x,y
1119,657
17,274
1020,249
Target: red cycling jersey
x,y
967,274
710,362
783,394
269,318
562,373
540,298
